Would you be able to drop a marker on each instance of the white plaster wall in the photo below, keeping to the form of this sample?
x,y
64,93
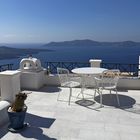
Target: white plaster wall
x,y
125,83
129,83
32,80
52,80
10,85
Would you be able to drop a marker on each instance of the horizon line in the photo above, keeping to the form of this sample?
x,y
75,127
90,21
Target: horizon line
x,y
66,41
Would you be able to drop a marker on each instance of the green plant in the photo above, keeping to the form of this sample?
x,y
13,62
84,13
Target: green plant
x,y
18,104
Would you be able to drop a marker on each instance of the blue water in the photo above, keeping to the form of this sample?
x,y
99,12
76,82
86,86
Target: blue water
x,y
109,54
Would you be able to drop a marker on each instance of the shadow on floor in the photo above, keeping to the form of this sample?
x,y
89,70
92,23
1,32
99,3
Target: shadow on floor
x,y
50,89
3,130
122,90
34,130
85,102
37,121
111,100
36,133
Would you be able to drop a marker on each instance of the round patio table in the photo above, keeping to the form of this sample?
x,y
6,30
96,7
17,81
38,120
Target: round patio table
x,y
88,70
85,71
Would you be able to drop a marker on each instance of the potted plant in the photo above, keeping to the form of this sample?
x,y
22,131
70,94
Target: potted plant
x,y
16,113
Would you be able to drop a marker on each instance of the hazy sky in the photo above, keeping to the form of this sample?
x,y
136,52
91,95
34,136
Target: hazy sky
x,y
42,21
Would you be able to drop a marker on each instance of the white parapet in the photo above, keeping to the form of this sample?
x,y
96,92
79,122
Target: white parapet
x,y
123,83
95,62
10,84
52,80
129,83
32,80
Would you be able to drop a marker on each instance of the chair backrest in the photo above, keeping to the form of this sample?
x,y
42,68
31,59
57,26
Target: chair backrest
x,y
63,75
110,77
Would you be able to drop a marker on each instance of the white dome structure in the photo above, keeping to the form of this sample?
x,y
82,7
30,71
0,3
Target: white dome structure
x,y
30,64
32,73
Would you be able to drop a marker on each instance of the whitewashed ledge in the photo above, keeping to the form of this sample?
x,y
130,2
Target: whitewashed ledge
x,y
123,83
129,83
3,112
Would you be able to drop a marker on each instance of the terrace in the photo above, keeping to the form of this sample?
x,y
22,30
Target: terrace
x,y
50,119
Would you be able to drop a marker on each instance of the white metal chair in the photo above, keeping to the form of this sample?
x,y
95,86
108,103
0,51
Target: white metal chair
x,y
107,81
67,80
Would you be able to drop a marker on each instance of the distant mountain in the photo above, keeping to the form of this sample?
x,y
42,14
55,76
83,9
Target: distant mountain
x,y
87,42
7,52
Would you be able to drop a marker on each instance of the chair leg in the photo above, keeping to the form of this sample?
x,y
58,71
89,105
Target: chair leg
x,y
58,96
81,92
101,99
95,93
83,86
100,94
70,95
117,97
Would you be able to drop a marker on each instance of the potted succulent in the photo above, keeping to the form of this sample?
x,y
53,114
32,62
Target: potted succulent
x,y
16,113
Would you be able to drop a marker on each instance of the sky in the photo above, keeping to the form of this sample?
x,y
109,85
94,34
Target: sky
x,y
43,21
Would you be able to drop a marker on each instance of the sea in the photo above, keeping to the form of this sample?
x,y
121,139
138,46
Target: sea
x,y
108,54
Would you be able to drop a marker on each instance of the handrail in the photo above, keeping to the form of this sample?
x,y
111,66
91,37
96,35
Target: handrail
x,y
6,67
69,65
130,69
126,69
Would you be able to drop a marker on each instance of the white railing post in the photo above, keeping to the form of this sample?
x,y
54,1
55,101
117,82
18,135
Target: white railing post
x,y
95,62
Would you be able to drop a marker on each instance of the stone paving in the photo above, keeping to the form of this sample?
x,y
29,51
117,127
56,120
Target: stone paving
x,y
50,119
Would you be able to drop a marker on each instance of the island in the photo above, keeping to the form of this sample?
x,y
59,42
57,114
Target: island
x,y
9,53
91,43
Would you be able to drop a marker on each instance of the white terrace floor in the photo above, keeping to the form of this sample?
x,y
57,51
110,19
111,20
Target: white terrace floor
x,y
50,119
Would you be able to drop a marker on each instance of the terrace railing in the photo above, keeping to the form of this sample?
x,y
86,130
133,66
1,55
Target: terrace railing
x,y
126,69
130,69
6,67
68,65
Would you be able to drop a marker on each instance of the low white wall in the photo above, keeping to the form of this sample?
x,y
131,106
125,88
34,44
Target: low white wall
x,y
52,80
32,80
124,82
129,83
3,112
10,84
